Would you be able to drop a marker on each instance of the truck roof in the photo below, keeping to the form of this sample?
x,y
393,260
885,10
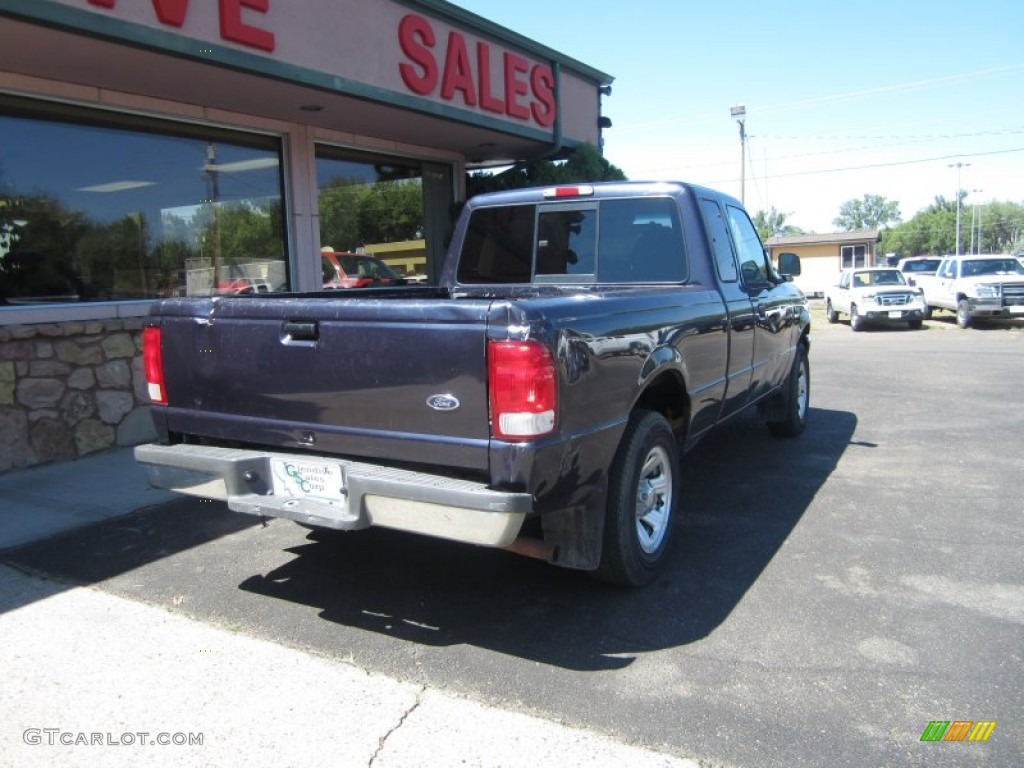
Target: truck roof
x,y
595,190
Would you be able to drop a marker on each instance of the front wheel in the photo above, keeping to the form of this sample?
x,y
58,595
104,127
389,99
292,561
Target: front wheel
x,y
856,321
830,313
643,499
963,313
798,398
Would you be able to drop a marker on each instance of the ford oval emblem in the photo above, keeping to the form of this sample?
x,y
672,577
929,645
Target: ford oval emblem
x,y
443,402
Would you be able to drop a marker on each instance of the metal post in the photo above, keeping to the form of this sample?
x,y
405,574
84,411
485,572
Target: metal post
x,y
739,112
958,166
975,244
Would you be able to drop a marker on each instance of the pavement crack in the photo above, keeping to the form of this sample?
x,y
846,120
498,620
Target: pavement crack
x,y
401,721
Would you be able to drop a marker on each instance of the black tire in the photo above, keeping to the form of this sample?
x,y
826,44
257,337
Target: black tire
x,y
797,391
830,314
963,313
927,312
914,325
856,321
644,489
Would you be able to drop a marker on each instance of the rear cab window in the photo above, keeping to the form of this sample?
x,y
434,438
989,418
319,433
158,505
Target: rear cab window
x,y
620,240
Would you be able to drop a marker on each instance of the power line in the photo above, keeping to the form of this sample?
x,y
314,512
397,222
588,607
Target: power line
x,y
881,165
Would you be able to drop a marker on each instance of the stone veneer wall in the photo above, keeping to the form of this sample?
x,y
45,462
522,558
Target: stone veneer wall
x,y
69,389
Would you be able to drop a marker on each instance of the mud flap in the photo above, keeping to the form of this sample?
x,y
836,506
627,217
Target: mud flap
x,y
575,534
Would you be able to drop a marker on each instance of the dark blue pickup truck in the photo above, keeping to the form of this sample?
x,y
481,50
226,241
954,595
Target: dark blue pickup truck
x,y
538,398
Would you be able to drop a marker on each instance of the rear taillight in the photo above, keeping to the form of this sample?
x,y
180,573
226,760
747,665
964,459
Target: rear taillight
x,y
153,365
523,393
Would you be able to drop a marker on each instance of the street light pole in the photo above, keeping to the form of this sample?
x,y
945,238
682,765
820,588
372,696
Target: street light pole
x,y
739,112
975,244
958,166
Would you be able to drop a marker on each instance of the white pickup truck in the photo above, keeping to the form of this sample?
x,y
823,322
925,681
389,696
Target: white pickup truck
x,y
877,295
976,286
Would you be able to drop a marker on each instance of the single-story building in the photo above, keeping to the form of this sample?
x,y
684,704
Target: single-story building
x,y
823,257
186,148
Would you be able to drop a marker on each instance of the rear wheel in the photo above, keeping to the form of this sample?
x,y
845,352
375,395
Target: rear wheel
x,y
643,498
856,321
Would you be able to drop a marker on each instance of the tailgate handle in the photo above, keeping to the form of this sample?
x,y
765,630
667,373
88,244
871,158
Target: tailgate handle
x,y
301,330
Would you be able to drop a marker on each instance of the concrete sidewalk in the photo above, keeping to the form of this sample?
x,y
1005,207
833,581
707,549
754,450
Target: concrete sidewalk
x,y
93,679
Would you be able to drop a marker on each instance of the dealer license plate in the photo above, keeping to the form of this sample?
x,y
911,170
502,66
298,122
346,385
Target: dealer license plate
x,y
308,479
895,315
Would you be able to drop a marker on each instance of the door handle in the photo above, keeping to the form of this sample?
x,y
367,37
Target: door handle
x,y
300,330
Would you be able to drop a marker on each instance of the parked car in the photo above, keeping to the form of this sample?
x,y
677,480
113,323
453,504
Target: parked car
x,y
914,267
241,286
874,295
355,270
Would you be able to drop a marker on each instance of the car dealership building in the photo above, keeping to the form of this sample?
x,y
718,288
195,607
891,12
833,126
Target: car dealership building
x,y
155,148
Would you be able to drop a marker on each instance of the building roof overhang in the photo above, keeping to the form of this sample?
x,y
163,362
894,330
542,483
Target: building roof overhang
x,y
48,41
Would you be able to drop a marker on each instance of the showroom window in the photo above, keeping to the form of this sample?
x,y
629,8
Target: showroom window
x,y
109,207
371,205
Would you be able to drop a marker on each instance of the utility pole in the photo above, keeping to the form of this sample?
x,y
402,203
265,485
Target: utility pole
x,y
958,166
212,171
975,244
739,112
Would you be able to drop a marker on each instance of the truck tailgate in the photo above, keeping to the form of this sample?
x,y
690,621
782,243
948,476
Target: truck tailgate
x,y
402,380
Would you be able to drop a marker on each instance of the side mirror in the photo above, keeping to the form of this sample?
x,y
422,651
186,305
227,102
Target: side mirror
x,y
789,265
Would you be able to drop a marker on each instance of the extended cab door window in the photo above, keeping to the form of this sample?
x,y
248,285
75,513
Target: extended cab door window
x,y
725,261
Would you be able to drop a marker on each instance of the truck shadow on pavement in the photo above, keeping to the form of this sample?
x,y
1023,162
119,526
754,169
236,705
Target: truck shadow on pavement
x,y
744,494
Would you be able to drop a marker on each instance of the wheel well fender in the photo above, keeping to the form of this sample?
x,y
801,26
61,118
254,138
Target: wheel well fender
x,y
663,389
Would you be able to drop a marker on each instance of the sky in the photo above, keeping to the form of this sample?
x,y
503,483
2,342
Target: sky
x,y
903,99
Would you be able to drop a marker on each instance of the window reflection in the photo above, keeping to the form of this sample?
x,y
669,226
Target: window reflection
x,y
371,205
93,210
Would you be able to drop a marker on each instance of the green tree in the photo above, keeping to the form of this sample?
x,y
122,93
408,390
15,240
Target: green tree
x,y
339,206
247,232
772,222
871,212
1001,225
391,211
584,164
931,231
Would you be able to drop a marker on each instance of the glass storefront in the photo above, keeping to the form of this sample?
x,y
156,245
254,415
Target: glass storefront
x,y
109,207
371,205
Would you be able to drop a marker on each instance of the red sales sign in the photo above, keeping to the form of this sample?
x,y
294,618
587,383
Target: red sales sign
x,y
528,91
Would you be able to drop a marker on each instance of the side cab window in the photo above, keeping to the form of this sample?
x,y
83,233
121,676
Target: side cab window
x,y
752,258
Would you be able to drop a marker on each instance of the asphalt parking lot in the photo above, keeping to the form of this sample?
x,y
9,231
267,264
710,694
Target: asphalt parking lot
x,y
828,597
